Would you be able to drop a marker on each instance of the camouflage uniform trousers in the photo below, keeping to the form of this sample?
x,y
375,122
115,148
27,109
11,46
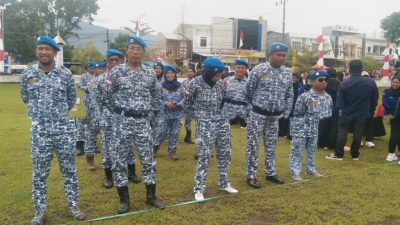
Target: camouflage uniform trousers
x,y
209,133
173,127
133,131
42,147
296,153
91,130
261,126
108,142
188,122
80,130
158,128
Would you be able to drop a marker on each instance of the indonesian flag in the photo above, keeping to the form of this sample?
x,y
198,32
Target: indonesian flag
x,y
137,27
386,66
320,62
241,39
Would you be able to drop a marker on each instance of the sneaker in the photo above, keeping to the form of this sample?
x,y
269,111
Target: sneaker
x,y
355,159
325,148
369,144
38,219
242,127
76,213
316,174
362,143
391,157
296,177
199,196
229,189
346,148
333,157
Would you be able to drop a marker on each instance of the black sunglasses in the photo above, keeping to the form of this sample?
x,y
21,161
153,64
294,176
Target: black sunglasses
x,y
322,80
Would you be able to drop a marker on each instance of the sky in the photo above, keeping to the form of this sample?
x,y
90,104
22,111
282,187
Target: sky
x,y
302,16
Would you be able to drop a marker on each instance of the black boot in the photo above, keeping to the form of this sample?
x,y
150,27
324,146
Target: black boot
x,y
132,174
108,182
151,197
124,203
79,148
155,149
188,137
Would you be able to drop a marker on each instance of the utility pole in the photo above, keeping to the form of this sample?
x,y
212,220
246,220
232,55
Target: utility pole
x,y
283,3
107,40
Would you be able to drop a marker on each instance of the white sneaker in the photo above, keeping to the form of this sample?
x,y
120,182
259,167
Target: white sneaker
x,y
346,148
362,143
229,189
391,157
369,144
199,196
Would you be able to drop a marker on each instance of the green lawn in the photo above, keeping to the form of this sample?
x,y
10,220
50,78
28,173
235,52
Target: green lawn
x,y
353,192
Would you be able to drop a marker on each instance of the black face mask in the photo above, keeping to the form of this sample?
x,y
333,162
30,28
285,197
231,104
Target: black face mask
x,y
208,79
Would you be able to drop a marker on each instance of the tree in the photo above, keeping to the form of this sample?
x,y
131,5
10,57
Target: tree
x,y
304,61
369,63
144,28
25,20
390,25
83,54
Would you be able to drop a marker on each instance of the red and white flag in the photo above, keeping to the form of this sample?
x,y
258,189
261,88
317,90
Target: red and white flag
x,y
320,41
241,39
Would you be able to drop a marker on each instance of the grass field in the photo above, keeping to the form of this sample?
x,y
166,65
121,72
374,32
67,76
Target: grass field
x,y
352,192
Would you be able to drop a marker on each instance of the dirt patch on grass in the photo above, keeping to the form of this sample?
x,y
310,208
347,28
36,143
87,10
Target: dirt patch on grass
x,y
387,221
265,216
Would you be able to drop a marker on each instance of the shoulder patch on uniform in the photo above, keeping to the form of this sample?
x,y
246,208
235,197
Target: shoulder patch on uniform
x,y
33,80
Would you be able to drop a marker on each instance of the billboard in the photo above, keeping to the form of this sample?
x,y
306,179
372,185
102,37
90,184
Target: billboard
x,y
251,34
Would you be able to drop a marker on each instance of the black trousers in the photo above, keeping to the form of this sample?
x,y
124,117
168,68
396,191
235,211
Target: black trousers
x,y
327,132
394,140
357,126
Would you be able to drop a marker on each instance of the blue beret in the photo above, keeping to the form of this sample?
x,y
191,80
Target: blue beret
x,y
278,47
158,63
90,64
48,41
213,66
135,40
318,74
241,62
169,68
99,65
111,52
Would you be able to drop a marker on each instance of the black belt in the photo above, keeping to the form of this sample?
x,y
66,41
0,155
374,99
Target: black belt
x,y
266,112
130,113
233,102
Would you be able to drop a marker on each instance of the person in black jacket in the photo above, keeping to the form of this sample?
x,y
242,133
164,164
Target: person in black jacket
x,y
391,100
328,127
356,102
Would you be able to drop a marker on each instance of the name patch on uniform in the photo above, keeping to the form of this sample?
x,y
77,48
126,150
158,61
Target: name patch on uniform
x,y
266,76
33,80
313,103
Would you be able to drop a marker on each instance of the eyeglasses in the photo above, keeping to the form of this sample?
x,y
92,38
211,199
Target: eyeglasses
x,y
321,80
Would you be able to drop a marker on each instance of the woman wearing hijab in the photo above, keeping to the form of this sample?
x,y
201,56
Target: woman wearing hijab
x,y
172,98
391,100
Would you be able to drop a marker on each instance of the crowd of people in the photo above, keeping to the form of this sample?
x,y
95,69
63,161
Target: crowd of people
x,y
135,105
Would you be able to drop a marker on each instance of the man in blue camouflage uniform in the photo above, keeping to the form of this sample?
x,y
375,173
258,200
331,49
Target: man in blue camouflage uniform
x,y
80,124
49,91
157,119
205,98
132,93
92,117
270,92
114,58
191,72
172,99
235,106
311,107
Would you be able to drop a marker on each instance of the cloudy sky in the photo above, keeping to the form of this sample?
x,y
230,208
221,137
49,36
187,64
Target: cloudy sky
x,y
302,16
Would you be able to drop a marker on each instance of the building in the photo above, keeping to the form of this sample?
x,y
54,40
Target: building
x,y
222,38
